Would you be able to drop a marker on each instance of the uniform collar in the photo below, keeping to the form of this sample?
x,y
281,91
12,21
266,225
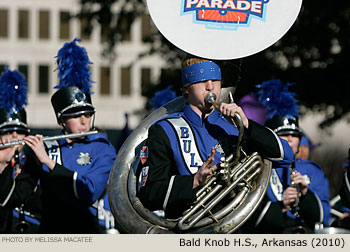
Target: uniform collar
x,y
195,119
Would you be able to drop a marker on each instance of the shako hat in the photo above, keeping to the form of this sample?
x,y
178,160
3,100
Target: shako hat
x,y
13,99
73,96
283,111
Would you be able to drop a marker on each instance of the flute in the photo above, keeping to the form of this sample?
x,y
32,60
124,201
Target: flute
x,y
51,138
295,206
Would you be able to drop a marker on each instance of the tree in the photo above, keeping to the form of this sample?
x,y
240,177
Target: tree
x,y
114,16
313,53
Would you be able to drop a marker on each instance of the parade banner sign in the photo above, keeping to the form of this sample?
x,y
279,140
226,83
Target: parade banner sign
x,y
223,29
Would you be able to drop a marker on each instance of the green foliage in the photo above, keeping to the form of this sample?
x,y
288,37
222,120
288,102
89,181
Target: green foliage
x,y
313,53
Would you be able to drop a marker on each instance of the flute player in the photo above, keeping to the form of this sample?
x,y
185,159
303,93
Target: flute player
x,y
16,185
73,172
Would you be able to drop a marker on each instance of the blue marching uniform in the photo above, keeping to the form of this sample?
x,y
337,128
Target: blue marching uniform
x,y
345,188
105,216
319,185
314,207
72,188
178,145
14,192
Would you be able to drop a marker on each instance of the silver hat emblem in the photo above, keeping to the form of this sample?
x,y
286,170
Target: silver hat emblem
x,y
79,97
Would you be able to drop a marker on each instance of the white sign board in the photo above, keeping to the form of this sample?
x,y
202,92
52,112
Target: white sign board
x,y
223,29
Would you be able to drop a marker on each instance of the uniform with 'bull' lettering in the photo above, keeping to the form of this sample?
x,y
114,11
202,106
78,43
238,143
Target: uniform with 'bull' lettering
x,y
178,145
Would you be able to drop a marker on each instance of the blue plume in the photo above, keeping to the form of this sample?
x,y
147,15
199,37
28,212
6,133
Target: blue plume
x,y
13,90
162,97
73,67
277,99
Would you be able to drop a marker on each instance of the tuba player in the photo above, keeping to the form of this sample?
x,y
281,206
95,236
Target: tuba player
x,y
182,148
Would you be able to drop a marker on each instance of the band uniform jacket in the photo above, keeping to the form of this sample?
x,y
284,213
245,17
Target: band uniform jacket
x,y
78,179
314,206
345,189
177,146
14,191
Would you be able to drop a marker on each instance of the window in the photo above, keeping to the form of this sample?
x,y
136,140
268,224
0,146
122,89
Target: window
x,y
145,80
125,29
23,24
105,80
44,24
43,79
146,28
24,70
125,88
64,25
105,30
3,23
2,68
85,29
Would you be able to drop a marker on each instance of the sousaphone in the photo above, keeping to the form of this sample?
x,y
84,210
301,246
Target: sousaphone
x,y
249,175
232,194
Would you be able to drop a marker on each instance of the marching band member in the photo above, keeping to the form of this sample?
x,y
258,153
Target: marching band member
x,y
290,208
16,185
341,203
345,189
73,172
181,148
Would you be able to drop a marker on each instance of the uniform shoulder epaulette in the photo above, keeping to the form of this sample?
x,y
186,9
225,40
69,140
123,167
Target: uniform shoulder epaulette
x,y
98,137
173,115
310,163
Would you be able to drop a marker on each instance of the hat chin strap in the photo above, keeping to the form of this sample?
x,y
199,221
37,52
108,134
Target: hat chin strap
x,y
92,126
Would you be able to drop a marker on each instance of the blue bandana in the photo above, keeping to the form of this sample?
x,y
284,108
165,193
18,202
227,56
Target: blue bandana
x,y
203,71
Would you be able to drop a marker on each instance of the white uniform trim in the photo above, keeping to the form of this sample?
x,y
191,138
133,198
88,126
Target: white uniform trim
x,y
54,151
320,206
165,203
263,212
9,195
275,186
75,175
105,215
280,146
179,123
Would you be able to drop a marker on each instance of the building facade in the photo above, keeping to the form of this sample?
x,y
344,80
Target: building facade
x,y
32,32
